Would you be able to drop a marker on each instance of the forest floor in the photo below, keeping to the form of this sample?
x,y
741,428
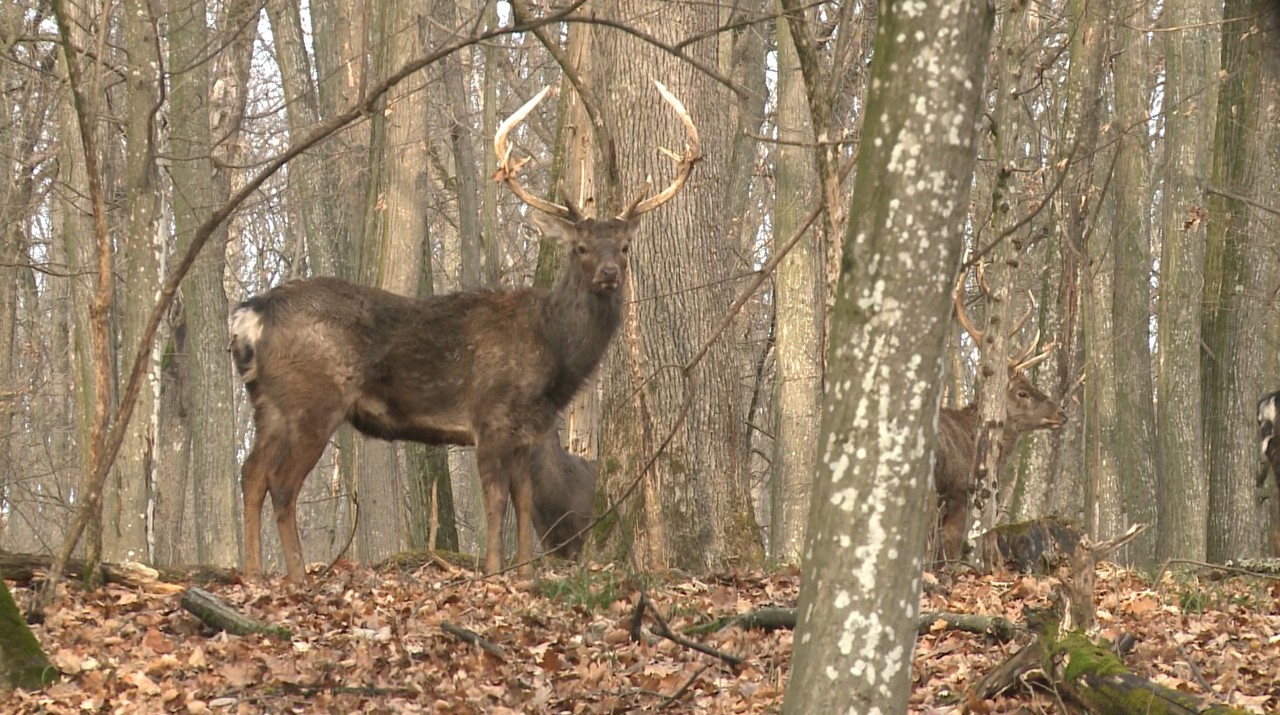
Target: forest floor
x,y
379,641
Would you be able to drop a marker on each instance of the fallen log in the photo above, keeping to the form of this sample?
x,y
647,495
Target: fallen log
x,y
219,616
26,568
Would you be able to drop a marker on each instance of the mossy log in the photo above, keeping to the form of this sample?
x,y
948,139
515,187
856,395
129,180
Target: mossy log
x,y
1093,677
23,663
218,615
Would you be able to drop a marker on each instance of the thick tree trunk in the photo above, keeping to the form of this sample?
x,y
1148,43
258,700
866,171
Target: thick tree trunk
x,y
205,373
22,663
681,262
1130,228
1190,104
1240,274
392,250
128,492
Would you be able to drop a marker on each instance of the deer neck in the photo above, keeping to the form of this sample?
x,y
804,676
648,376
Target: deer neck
x,y
1009,436
580,324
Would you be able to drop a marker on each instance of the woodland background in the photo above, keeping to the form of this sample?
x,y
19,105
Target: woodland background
x,y
1127,156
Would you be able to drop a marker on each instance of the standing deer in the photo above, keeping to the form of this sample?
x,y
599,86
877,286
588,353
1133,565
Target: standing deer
x,y
564,492
490,369
1028,409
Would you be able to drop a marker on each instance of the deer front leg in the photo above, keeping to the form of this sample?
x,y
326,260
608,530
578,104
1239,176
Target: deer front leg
x,y
522,493
495,480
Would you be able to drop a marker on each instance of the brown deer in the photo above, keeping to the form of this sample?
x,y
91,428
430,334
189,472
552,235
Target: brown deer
x,y
1027,408
564,491
490,369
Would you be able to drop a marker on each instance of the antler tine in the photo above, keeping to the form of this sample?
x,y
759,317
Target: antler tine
x,y
962,316
1037,359
1022,355
686,161
506,173
1022,322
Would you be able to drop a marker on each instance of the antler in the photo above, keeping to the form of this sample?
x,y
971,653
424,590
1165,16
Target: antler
x,y
685,162
1022,361
507,171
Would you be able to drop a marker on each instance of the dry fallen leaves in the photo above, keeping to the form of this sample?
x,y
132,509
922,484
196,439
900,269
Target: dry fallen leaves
x,y
368,641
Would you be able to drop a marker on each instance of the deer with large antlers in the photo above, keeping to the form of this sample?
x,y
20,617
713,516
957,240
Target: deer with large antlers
x,y
490,369
1027,409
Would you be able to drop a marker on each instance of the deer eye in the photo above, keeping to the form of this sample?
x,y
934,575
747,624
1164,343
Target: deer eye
x,y
1023,394
581,249
626,248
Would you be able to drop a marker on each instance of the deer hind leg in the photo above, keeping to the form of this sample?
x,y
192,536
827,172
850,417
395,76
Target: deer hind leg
x,y
270,445
253,488
951,533
302,454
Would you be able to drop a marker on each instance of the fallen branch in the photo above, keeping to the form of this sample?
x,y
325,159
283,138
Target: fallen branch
x,y
664,631
764,619
1001,629
218,615
473,638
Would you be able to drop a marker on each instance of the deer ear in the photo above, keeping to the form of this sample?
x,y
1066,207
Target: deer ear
x,y
554,227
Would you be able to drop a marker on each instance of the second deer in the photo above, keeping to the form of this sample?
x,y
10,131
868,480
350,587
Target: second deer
x,y
485,368
1027,409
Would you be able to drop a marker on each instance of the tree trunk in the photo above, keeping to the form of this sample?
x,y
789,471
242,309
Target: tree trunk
x,y
1240,274
128,492
205,373
1007,199
393,247
868,520
1129,199
1078,146
312,184
681,263
798,304
1190,103
22,663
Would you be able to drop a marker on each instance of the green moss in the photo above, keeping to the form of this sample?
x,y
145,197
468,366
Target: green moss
x,y
1083,657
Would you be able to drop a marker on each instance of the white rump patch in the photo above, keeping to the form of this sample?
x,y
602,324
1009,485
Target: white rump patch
x,y
246,326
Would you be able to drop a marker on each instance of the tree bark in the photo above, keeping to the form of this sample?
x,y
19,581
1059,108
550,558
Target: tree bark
x,y
22,663
199,119
1240,275
682,264
868,520
393,247
1130,227
1190,103
128,493
798,314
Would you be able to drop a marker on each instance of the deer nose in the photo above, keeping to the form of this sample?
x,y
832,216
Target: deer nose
x,y
609,273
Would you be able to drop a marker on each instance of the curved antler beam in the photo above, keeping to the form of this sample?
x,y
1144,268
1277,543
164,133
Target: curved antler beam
x,y
507,170
684,161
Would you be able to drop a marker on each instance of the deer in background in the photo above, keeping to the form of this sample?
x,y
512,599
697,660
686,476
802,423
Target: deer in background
x,y
1028,409
1269,445
564,493
491,369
